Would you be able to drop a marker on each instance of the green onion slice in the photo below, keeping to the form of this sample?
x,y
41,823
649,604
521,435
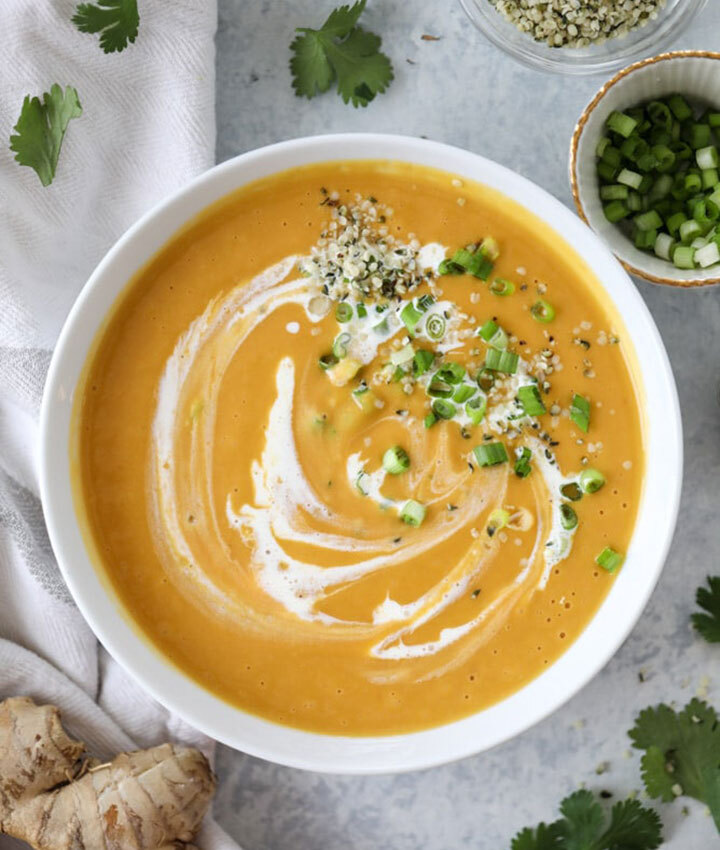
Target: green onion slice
x,y
490,454
522,464
343,312
572,491
422,361
501,361
339,347
591,480
410,316
450,372
542,311
396,460
463,393
580,412
568,517
439,389
475,409
327,361
443,409
529,398
502,287
413,513
609,559
435,327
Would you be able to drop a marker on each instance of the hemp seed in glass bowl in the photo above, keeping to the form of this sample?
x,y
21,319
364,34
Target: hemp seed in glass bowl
x,y
581,36
578,23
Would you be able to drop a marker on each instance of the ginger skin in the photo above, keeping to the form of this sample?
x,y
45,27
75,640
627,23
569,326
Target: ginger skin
x,y
55,799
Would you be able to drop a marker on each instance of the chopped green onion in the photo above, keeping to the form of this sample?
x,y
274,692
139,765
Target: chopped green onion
x,y
430,420
449,267
664,157
339,347
396,460
522,464
707,157
680,107
362,482
601,145
708,255
645,239
648,221
327,361
498,519
621,123
450,373
443,409
591,480
490,454
410,316
673,223
361,311
542,311
684,257
529,398
501,361
580,412
501,286
568,517
493,335
615,211
413,513
343,312
439,389
571,491
607,172
489,248
462,257
699,136
475,409
463,393
658,113
713,119
435,327
422,361
404,355
663,245
609,559
425,302
485,380
628,178
612,156
710,178
614,192
382,327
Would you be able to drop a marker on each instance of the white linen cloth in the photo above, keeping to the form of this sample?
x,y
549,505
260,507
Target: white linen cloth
x,y
148,126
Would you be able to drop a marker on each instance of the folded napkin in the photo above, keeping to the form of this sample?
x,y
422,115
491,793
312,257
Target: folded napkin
x,y
147,127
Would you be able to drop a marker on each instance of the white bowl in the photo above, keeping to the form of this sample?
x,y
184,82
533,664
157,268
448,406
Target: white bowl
x,y
171,687
693,73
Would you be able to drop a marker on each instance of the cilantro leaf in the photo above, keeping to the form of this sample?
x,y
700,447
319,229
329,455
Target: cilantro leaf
x,y
682,753
708,625
543,837
117,22
582,827
41,127
343,52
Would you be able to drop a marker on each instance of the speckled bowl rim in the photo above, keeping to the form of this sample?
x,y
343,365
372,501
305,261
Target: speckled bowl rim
x,y
575,141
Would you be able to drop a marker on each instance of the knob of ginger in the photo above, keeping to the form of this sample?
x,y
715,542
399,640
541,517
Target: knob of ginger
x,y
55,798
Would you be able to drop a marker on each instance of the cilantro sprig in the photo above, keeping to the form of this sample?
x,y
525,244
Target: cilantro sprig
x,y
682,753
340,51
584,827
708,598
117,22
40,129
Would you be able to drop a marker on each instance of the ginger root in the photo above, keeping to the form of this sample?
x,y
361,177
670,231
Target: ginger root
x,y
56,799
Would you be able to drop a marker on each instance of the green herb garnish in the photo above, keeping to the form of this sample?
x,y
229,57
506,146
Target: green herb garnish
x,y
117,22
708,598
583,827
340,51
41,127
682,753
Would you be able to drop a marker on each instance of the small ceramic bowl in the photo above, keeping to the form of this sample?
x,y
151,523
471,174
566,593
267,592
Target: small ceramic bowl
x,y
692,73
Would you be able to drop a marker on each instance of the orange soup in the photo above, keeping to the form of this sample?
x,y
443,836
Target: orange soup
x,y
360,449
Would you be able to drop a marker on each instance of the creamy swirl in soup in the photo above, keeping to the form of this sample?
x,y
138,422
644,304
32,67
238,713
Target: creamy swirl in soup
x,y
360,449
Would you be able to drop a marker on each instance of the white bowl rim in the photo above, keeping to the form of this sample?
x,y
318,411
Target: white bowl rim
x,y
293,747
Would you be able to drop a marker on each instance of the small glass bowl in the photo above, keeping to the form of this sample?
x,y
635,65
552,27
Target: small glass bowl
x,y
612,54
